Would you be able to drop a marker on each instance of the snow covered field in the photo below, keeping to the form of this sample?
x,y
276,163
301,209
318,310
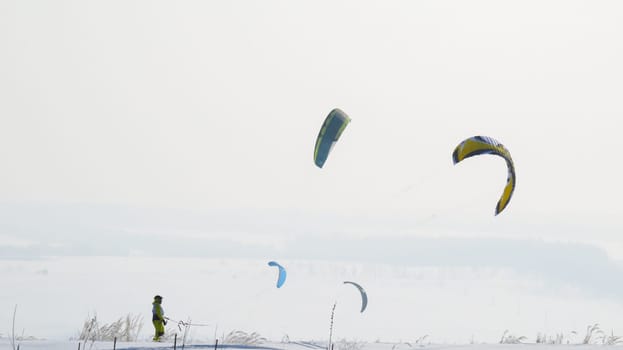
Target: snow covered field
x,y
60,345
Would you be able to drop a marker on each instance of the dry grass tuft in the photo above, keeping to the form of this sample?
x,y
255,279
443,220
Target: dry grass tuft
x,y
243,338
511,339
124,329
349,345
590,332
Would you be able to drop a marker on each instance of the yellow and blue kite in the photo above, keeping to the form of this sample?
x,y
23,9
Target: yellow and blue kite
x,y
478,145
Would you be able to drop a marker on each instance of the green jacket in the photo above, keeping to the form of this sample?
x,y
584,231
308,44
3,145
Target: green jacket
x,y
157,311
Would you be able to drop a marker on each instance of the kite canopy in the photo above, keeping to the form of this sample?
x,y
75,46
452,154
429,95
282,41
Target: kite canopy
x,y
332,128
478,145
364,296
282,273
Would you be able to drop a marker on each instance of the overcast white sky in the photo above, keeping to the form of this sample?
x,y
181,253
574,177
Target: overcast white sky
x,y
217,104
211,107
203,105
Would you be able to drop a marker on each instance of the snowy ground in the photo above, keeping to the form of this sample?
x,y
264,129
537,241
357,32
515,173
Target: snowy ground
x,y
69,345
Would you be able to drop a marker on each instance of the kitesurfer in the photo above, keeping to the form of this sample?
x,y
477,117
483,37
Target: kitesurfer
x,y
158,317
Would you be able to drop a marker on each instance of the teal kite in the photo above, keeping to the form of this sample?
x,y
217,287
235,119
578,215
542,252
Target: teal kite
x,y
332,128
364,296
281,278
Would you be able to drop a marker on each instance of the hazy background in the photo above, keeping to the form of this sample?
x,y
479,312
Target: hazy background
x,y
175,132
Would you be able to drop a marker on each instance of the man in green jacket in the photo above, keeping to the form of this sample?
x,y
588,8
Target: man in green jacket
x,y
158,317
